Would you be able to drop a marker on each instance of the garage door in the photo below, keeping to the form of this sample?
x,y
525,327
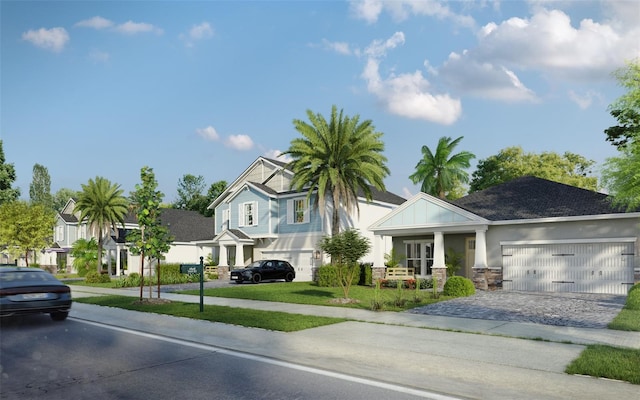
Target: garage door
x,y
300,260
569,267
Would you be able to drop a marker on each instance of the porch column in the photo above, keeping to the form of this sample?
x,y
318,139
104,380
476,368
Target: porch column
x,y
438,250
378,251
118,260
223,256
239,255
481,249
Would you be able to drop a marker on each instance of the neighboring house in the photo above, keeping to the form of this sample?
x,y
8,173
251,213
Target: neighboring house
x,y
258,216
529,234
188,228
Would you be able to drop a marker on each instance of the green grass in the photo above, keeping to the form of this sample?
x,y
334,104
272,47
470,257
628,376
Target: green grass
x,y
311,293
626,320
608,362
271,320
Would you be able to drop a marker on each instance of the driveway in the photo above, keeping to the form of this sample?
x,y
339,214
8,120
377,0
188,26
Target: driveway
x,y
580,310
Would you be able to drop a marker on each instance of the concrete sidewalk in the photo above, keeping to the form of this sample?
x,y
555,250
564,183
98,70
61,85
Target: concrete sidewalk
x,y
559,334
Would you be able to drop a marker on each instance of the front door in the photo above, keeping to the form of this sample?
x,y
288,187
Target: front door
x,y
469,256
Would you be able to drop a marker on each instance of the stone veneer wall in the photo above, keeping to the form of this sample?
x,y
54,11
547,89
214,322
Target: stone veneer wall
x,y
487,278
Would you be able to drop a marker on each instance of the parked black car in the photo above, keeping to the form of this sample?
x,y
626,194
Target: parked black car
x,y
26,290
264,270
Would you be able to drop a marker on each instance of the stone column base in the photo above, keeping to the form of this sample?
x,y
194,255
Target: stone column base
x,y
487,278
223,272
441,275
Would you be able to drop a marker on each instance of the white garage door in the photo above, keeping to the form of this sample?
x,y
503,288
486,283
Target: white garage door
x,y
569,267
301,261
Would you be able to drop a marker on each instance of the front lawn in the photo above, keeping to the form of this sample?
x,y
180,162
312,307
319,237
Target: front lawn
x,y
608,362
310,293
271,320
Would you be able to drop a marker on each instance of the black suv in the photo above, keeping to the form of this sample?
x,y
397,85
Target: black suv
x,y
264,270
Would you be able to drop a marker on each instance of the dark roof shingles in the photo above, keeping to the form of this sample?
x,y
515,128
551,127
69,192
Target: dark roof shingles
x,y
530,198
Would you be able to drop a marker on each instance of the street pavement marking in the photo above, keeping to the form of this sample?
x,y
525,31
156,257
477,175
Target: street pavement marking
x,y
284,364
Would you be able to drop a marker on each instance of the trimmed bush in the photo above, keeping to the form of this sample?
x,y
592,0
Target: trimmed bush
x,y
365,275
458,286
633,298
96,277
328,276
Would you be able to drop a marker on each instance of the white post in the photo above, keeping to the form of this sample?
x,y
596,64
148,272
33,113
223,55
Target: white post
x,y
223,262
438,250
239,255
481,249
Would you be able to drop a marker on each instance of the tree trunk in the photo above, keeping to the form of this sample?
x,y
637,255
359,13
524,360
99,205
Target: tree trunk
x,y
141,273
158,272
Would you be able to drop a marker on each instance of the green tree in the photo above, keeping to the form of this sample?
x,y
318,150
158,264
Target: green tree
x,y
336,159
62,196
215,190
621,176
26,227
40,188
626,109
7,177
103,206
346,249
190,188
85,255
442,173
512,162
152,240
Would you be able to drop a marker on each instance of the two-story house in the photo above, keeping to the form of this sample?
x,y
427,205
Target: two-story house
x,y
258,216
190,230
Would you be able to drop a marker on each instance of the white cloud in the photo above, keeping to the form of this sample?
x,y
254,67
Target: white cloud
x,y
277,155
400,10
197,32
132,28
239,142
585,100
548,42
202,31
99,56
338,47
410,94
96,22
53,39
208,133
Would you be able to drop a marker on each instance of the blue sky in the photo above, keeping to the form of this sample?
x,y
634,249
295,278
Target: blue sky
x,y
97,88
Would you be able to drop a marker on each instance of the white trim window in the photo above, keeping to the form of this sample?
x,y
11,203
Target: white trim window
x,y
298,211
248,214
59,233
419,256
225,218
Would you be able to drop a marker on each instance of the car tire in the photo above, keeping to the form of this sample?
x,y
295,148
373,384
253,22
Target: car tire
x,y
289,277
256,278
59,316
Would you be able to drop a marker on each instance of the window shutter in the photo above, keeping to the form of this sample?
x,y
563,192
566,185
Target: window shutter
x,y
290,212
240,214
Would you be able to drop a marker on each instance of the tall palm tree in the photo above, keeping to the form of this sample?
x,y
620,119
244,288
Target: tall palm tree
x,y
102,204
335,159
441,172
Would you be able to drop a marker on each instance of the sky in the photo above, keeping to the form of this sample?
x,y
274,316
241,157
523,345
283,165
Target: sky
x,y
97,88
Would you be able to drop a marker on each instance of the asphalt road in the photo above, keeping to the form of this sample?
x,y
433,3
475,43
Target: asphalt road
x,y
76,360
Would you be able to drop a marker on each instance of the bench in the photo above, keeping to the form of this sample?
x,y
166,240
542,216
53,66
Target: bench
x,y
399,273
210,269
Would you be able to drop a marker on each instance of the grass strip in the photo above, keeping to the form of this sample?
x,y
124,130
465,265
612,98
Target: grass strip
x,y
310,293
271,320
626,320
608,362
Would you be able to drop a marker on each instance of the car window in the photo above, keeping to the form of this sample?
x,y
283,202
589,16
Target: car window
x,y
13,276
268,264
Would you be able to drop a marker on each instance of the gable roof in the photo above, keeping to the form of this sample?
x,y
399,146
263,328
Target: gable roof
x,y
187,225
531,198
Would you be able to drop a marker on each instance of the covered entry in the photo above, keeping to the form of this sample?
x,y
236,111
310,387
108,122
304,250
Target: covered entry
x,y
590,266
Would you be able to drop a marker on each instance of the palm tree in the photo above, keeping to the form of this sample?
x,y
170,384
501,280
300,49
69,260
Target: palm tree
x,y
335,159
441,172
102,204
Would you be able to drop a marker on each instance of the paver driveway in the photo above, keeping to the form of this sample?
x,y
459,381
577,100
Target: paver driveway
x,y
561,309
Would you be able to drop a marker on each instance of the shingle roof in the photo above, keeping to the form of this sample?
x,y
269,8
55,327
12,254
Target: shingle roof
x,y
530,198
186,225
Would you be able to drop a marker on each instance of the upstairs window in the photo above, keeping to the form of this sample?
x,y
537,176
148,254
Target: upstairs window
x,y
225,219
59,233
248,213
298,211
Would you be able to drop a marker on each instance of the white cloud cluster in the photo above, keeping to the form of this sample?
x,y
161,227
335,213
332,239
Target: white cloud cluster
x,y
370,10
410,94
96,22
127,28
236,142
53,39
197,32
277,155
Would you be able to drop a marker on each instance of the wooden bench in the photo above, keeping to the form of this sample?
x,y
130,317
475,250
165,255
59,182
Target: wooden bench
x,y
399,273
209,269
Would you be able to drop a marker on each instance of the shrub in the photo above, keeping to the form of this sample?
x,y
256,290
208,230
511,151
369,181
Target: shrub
x,y
633,298
458,286
328,276
365,275
96,277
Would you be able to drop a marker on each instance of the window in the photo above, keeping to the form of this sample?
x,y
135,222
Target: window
x,y
59,233
297,211
248,214
225,219
419,256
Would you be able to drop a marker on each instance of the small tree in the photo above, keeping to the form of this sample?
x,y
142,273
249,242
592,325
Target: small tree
x,y
152,240
7,178
26,227
345,249
85,255
40,188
